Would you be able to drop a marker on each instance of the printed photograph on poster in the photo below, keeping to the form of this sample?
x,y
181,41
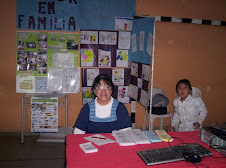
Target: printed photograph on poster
x,y
41,84
71,80
108,38
89,37
124,40
150,44
87,57
134,69
123,23
133,91
44,114
91,75
122,58
87,95
145,72
104,58
134,43
118,76
122,94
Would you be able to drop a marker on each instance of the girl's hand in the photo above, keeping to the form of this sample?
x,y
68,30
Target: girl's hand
x,y
196,126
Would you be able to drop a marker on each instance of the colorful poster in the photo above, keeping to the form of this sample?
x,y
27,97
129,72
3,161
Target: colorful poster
x,y
37,52
89,37
104,58
44,114
124,40
91,75
108,38
87,57
87,94
122,58
123,23
122,94
118,76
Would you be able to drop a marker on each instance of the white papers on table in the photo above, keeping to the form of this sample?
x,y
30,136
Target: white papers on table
x,y
130,137
88,147
123,138
99,139
138,136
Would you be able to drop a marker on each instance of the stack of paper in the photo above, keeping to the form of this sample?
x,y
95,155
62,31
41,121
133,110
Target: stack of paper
x,y
88,147
138,136
152,136
123,138
130,137
163,135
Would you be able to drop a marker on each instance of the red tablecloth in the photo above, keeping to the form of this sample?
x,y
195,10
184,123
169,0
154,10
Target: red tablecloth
x,y
115,156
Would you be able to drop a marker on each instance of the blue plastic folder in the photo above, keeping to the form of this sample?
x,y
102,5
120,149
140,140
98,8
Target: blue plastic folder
x,y
152,136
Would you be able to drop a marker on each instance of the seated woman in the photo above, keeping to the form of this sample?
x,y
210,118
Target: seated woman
x,y
103,114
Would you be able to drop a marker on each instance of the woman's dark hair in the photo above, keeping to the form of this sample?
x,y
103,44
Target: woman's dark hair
x,y
184,81
105,78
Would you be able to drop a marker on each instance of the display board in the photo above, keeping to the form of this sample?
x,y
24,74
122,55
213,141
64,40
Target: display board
x,y
47,62
139,81
142,40
104,48
119,78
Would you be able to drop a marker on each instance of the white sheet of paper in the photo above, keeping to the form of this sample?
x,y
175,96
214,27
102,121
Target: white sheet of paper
x,y
134,43
99,139
150,44
142,41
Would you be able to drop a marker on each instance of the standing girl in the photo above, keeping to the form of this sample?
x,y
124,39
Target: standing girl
x,y
190,112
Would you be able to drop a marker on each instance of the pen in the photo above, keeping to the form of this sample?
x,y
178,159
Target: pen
x,y
98,137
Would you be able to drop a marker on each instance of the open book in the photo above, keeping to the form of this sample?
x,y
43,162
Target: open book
x,y
130,137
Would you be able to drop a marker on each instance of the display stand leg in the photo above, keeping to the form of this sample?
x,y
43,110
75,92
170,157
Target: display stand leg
x,y
22,119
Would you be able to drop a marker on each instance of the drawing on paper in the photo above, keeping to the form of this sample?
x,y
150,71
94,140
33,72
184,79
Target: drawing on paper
x,y
104,58
87,57
91,75
118,76
122,58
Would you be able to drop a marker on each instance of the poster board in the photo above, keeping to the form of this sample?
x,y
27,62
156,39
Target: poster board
x,y
46,57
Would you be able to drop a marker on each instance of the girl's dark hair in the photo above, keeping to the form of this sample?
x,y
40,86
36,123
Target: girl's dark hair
x,y
105,78
184,81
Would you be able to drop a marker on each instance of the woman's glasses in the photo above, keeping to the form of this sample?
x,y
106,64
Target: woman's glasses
x,y
103,88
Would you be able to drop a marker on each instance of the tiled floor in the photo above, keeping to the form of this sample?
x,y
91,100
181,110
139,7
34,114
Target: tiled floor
x,y
31,154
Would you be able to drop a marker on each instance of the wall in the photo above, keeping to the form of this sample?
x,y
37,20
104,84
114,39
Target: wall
x,y
196,52
192,51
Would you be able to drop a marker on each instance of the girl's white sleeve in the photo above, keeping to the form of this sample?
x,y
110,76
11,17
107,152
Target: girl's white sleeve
x,y
202,110
176,117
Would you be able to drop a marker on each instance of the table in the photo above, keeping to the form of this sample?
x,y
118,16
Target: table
x,y
115,156
25,101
